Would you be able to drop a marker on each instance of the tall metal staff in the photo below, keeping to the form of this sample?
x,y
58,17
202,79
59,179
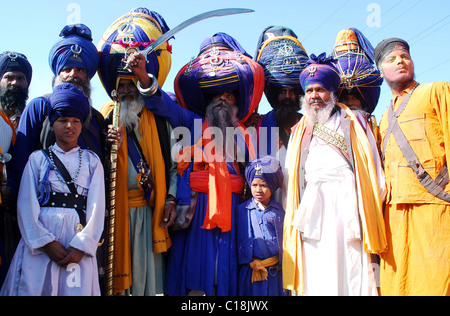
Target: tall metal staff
x,y
112,200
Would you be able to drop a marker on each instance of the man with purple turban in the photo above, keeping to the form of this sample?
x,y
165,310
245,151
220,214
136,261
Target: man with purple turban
x,y
217,91
335,188
73,59
260,230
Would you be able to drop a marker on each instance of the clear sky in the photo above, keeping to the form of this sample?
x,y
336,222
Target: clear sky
x,y
32,27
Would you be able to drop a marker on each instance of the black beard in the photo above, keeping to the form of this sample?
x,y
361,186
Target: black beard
x,y
221,114
13,99
287,114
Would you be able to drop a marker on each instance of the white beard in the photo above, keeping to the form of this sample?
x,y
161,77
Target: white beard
x,y
320,115
129,112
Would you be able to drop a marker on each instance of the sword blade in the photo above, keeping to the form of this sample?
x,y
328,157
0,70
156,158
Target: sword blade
x,y
166,36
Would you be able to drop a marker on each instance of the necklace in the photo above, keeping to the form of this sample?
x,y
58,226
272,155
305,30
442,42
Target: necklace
x,y
80,153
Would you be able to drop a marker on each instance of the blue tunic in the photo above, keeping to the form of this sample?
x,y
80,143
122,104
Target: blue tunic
x,y
199,259
270,222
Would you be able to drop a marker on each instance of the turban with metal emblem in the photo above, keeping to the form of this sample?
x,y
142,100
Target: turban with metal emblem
x,y
283,58
355,62
267,168
75,49
68,101
139,28
222,65
12,61
320,70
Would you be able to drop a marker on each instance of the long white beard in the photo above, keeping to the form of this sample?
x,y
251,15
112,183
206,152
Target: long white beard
x,y
129,112
320,115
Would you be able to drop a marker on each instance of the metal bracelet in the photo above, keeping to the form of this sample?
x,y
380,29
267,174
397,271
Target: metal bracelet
x,y
151,90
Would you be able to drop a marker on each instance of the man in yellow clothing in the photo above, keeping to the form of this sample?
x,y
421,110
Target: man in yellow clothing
x,y
415,142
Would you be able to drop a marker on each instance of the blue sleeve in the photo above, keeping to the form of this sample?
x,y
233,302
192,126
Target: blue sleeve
x,y
244,235
28,138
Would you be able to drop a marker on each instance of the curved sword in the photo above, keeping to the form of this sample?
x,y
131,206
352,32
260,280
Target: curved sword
x,y
166,36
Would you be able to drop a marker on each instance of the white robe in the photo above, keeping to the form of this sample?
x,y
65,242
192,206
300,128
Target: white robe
x,y
32,273
334,262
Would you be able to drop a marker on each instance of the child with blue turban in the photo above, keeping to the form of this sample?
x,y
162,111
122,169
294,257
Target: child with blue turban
x,y
260,231
61,209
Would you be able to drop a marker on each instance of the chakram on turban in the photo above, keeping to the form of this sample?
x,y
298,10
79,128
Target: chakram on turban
x,y
267,168
68,101
12,61
283,58
138,29
320,70
222,65
75,49
355,62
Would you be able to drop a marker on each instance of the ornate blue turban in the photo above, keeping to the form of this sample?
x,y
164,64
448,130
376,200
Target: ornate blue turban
x,y
320,70
68,101
267,168
283,58
12,61
222,65
138,29
75,49
355,62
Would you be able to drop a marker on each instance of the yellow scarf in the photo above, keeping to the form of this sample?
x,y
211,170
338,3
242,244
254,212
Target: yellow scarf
x,y
151,149
369,201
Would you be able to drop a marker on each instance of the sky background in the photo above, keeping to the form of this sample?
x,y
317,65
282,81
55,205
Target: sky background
x,y
32,27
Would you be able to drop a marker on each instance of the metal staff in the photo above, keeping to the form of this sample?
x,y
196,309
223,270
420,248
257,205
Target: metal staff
x,y
112,200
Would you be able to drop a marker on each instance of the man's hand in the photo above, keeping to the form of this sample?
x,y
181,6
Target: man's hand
x,y
137,63
56,251
115,135
73,256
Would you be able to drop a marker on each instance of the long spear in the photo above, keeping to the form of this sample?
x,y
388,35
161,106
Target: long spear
x,y
112,200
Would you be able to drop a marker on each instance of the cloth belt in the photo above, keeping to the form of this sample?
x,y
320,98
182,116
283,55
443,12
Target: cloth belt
x,y
436,186
259,268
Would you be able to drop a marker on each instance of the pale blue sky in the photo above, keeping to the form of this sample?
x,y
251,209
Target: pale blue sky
x,y
32,27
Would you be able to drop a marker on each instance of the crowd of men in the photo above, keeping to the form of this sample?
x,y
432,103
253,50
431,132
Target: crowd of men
x,y
353,208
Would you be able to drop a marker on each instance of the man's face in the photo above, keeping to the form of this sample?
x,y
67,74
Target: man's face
x,y
14,78
287,96
227,96
352,101
316,96
398,67
127,90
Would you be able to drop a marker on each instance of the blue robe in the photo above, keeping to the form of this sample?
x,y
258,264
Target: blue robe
x,y
195,251
270,221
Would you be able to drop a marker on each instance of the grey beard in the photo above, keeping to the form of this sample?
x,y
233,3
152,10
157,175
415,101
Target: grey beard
x,y
130,111
221,115
321,115
83,85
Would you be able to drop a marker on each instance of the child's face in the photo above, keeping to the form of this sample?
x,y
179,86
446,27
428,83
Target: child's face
x,y
67,130
260,191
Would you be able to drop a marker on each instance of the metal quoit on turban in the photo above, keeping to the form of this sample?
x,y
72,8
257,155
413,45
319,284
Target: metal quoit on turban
x,y
321,70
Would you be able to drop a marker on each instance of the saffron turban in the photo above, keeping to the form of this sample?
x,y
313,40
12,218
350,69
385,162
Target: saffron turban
x,y
320,70
355,62
283,58
68,101
75,49
386,46
12,61
222,65
139,28
267,168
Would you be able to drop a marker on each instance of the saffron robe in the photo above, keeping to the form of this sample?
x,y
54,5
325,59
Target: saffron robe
x,y
417,223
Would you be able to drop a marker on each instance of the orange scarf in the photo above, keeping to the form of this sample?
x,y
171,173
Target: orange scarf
x,y
221,184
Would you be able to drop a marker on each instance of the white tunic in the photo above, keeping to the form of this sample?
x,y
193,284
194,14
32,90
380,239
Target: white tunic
x,y
334,262
6,134
32,273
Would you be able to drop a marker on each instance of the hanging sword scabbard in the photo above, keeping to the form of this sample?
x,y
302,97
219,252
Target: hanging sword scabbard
x,y
112,200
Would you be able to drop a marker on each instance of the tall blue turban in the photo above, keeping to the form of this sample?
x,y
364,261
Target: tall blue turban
x,y
222,65
320,70
283,58
267,168
137,28
355,62
68,101
12,61
75,49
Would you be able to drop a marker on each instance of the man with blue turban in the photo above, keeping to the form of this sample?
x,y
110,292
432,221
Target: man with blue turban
x,y
73,59
335,188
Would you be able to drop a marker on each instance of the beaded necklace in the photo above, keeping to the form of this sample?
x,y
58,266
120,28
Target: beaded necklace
x,y
80,153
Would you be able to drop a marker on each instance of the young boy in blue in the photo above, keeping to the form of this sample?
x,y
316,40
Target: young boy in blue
x,y
260,232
